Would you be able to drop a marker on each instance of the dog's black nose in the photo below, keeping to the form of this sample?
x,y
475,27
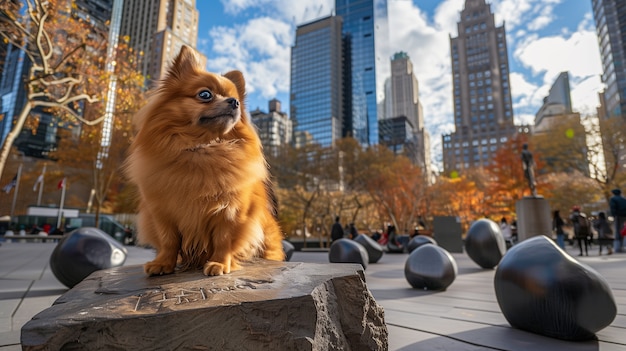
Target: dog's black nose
x,y
234,103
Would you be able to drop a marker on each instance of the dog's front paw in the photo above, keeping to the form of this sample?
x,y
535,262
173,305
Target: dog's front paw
x,y
215,268
158,268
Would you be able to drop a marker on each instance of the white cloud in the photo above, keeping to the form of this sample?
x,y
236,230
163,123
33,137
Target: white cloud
x,y
524,93
236,6
577,53
585,94
532,14
295,12
259,48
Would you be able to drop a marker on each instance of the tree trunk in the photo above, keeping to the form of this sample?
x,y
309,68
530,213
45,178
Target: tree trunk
x,y
15,131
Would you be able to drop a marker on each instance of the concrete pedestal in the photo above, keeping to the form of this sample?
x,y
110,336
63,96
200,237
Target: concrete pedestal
x,y
533,217
266,305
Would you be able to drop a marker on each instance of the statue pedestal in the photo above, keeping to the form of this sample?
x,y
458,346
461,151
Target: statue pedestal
x,y
533,217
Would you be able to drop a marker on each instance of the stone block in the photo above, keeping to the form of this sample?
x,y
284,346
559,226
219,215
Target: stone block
x,y
266,305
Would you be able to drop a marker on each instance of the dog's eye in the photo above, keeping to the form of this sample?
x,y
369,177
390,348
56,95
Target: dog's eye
x,y
205,95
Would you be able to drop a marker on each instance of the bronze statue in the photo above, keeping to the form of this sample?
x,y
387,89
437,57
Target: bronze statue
x,y
528,164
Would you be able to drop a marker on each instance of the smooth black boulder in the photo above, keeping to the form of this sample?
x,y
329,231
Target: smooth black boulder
x,y
420,240
430,267
374,250
82,252
348,251
543,290
288,248
484,243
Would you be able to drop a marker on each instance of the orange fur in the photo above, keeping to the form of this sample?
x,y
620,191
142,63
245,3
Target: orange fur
x,y
203,200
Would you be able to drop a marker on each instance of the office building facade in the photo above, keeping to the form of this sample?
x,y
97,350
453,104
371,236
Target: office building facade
x,y
610,19
483,109
274,127
364,32
317,94
557,103
158,29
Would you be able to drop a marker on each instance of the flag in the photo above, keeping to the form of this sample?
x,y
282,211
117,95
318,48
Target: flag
x,y
39,181
61,184
7,188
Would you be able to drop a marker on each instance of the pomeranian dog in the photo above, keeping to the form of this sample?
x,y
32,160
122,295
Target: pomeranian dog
x,y
205,195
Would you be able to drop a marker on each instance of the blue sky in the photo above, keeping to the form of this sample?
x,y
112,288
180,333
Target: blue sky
x,y
544,38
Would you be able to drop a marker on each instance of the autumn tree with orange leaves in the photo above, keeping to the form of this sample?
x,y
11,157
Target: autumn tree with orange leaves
x,y
82,154
61,50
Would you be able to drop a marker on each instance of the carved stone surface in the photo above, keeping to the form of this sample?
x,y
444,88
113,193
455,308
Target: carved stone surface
x,y
82,252
543,290
430,267
348,251
420,240
374,250
267,305
288,248
484,243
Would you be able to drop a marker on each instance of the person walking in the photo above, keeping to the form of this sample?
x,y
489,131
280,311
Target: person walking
x,y
353,232
617,205
336,231
557,227
505,228
581,229
602,226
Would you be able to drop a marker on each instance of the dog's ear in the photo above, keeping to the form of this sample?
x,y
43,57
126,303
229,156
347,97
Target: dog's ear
x,y
186,62
237,78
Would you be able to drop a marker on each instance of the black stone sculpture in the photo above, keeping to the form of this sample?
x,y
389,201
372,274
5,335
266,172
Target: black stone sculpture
x,y
430,267
348,251
374,250
288,248
484,243
543,290
420,240
82,252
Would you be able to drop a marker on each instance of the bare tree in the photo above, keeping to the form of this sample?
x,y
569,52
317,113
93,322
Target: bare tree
x,y
60,49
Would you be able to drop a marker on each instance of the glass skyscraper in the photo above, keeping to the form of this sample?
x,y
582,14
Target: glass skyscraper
x,y
360,35
610,18
316,99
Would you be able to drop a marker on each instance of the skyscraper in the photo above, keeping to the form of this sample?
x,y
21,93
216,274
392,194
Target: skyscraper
x,y
558,102
316,97
364,30
610,18
274,127
483,111
402,99
158,29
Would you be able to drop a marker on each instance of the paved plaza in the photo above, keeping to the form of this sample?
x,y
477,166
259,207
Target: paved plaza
x,y
464,317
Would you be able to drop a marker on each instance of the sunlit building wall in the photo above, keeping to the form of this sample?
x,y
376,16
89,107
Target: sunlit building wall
x,y
483,109
157,29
